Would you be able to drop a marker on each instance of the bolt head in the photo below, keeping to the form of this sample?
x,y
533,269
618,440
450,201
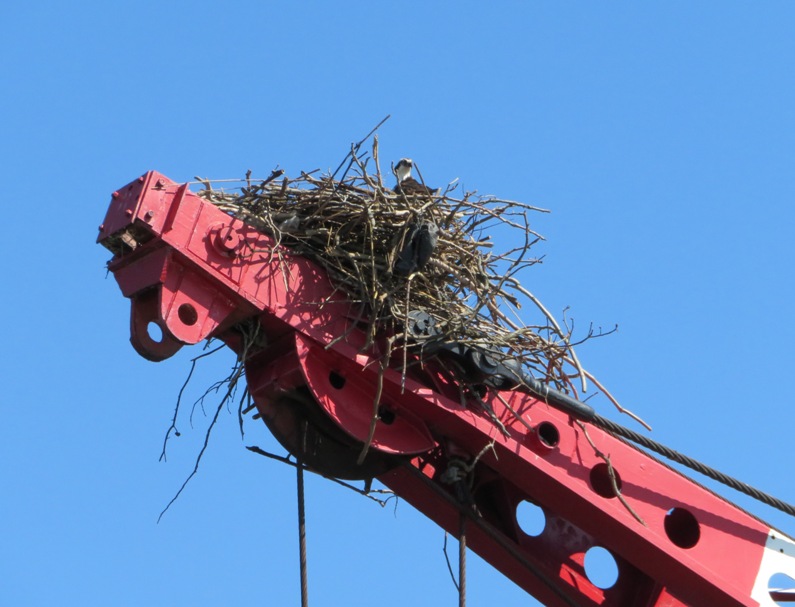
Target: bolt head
x,y
227,240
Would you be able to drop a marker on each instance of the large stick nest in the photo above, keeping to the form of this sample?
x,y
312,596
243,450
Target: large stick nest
x,y
358,228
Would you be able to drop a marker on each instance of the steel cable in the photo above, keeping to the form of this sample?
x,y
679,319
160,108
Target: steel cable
x,y
689,462
586,413
302,534
462,561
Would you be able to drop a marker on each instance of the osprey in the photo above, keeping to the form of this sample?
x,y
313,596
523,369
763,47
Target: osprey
x,y
419,245
406,184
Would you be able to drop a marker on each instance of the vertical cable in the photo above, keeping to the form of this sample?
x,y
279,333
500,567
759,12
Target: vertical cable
x,y
302,533
462,561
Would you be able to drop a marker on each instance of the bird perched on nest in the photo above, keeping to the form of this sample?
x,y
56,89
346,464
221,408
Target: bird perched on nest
x,y
420,243
406,184
422,236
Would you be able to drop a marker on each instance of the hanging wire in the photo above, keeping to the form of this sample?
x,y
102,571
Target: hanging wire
x,y
495,535
299,476
462,561
302,534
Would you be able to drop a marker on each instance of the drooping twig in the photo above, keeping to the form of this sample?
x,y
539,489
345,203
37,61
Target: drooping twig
x,y
366,493
250,334
611,474
232,382
376,402
173,425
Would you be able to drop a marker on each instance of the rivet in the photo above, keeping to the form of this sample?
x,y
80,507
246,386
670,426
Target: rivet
x,y
149,215
128,212
115,195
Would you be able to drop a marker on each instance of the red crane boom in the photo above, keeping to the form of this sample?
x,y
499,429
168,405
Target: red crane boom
x,y
197,272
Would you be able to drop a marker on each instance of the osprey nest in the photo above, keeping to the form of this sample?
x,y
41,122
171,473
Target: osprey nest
x,y
409,253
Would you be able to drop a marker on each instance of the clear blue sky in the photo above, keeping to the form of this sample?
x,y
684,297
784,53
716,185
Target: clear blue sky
x,y
662,137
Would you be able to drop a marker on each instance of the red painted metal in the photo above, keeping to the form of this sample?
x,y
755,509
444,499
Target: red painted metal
x,y
197,272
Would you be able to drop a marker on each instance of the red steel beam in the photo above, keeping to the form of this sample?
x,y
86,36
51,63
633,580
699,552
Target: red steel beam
x,y
195,271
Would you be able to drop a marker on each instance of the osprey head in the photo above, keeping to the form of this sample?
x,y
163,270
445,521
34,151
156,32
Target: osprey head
x,y
403,169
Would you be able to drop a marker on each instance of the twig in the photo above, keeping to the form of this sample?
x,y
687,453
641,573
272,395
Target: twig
x,y
379,386
250,335
289,462
232,382
357,146
611,473
173,425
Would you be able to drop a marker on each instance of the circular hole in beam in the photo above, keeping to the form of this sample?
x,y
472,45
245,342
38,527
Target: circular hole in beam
x,y
682,528
601,567
187,314
781,588
601,482
154,331
531,518
548,434
336,380
386,416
